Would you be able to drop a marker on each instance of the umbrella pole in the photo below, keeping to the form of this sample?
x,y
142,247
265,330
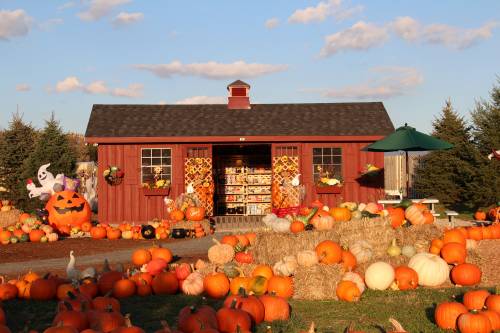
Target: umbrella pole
x,y
407,174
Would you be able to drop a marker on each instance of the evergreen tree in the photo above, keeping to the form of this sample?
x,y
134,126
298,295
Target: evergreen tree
x,y
486,129
16,145
53,146
449,175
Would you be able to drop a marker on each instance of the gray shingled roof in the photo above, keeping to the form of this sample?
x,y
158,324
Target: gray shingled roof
x,y
326,119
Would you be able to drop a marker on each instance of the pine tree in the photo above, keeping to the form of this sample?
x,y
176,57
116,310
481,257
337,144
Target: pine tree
x,y
486,129
450,175
16,145
53,146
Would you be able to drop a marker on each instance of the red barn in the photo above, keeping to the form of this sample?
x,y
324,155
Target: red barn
x,y
241,158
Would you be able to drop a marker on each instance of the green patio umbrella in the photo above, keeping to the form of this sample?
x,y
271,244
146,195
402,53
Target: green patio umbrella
x,y
407,138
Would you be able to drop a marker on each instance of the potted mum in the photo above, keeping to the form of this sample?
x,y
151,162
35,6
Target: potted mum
x,y
327,184
159,187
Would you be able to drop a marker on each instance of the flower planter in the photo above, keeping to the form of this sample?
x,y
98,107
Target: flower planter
x,y
328,189
156,191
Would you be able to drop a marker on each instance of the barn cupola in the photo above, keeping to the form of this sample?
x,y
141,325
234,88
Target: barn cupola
x,y
238,95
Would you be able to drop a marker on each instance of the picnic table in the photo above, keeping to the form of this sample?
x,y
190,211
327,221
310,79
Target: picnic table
x,y
430,202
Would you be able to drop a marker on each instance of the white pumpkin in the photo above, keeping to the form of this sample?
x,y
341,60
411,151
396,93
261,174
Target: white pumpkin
x,y
286,266
362,250
379,275
408,251
431,269
267,219
52,237
281,225
193,284
307,258
323,222
47,229
356,278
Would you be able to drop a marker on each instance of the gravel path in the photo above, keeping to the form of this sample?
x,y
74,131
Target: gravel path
x,y
184,248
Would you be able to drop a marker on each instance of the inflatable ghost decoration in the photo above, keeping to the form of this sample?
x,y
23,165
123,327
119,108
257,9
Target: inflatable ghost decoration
x,y
49,184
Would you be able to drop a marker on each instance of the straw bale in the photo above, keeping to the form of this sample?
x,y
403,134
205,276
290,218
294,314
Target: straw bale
x,y
486,256
190,225
9,218
318,282
418,235
271,247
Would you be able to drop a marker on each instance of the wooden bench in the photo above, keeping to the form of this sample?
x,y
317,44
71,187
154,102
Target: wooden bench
x,y
450,214
430,202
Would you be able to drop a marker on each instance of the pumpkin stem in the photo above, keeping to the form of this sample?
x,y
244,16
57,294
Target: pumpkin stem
x,y
233,304
396,325
128,323
68,306
312,328
239,270
216,241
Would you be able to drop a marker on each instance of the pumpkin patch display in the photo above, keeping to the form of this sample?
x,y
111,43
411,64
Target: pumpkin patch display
x,y
68,208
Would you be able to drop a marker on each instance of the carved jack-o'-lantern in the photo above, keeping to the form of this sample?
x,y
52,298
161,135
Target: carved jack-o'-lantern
x,y
68,208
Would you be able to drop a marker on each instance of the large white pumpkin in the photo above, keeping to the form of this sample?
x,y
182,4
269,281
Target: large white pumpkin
x,y
379,275
362,250
431,269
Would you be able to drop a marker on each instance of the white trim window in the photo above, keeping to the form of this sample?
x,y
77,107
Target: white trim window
x,y
152,158
327,160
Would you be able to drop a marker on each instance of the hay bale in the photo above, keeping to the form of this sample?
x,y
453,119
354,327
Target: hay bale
x,y
9,218
318,282
419,236
485,255
271,247
190,225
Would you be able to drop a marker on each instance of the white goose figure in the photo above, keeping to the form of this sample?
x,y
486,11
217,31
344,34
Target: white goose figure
x,y
296,181
71,272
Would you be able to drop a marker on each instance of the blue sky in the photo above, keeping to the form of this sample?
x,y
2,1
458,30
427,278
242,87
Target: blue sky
x,y
64,56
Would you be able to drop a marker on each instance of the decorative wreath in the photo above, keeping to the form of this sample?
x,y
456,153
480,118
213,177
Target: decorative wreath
x,y
113,175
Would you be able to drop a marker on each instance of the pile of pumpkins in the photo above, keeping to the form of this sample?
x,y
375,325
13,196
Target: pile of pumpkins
x,y
321,217
479,312
493,214
27,229
153,230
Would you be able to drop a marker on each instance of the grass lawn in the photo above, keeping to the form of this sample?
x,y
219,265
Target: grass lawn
x,y
414,309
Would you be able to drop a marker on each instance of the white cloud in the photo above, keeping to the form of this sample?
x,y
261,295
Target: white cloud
x,y
123,19
23,87
67,5
412,30
162,102
212,69
14,23
98,9
361,36
322,11
71,83
49,24
203,100
272,23
391,81
133,90
96,87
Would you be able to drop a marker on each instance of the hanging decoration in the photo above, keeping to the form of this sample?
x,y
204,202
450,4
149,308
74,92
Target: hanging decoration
x,y
286,188
113,175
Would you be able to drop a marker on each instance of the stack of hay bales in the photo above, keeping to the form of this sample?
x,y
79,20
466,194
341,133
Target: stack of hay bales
x,y
9,217
320,281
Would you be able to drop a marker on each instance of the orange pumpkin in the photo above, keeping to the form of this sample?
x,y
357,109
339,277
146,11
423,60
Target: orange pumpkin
x,y
7,290
447,313
454,253
251,236
480,215
466,274
453,236
250,304
165,283
177,215
124,288
195,213
230,240
329,252
340,214
98,232
276,308
264,271
475,233
161,253
397,216
216,285
36,235
280,286
347,291
141,257
405,278
296,227
113,233
348,260
493,303
86,226
68,208
475,299
473,323
232,319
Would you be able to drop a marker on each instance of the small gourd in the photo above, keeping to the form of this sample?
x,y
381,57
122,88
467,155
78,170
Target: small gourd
x,y
220,254
286,266
193,284
408,251
394,250
362,250
307,258
231,270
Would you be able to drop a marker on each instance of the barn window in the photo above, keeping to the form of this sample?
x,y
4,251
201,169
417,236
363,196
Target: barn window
x,y
329,160
156,157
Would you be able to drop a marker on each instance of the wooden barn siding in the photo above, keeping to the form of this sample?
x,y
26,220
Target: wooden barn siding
x,y
353,161
126,203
